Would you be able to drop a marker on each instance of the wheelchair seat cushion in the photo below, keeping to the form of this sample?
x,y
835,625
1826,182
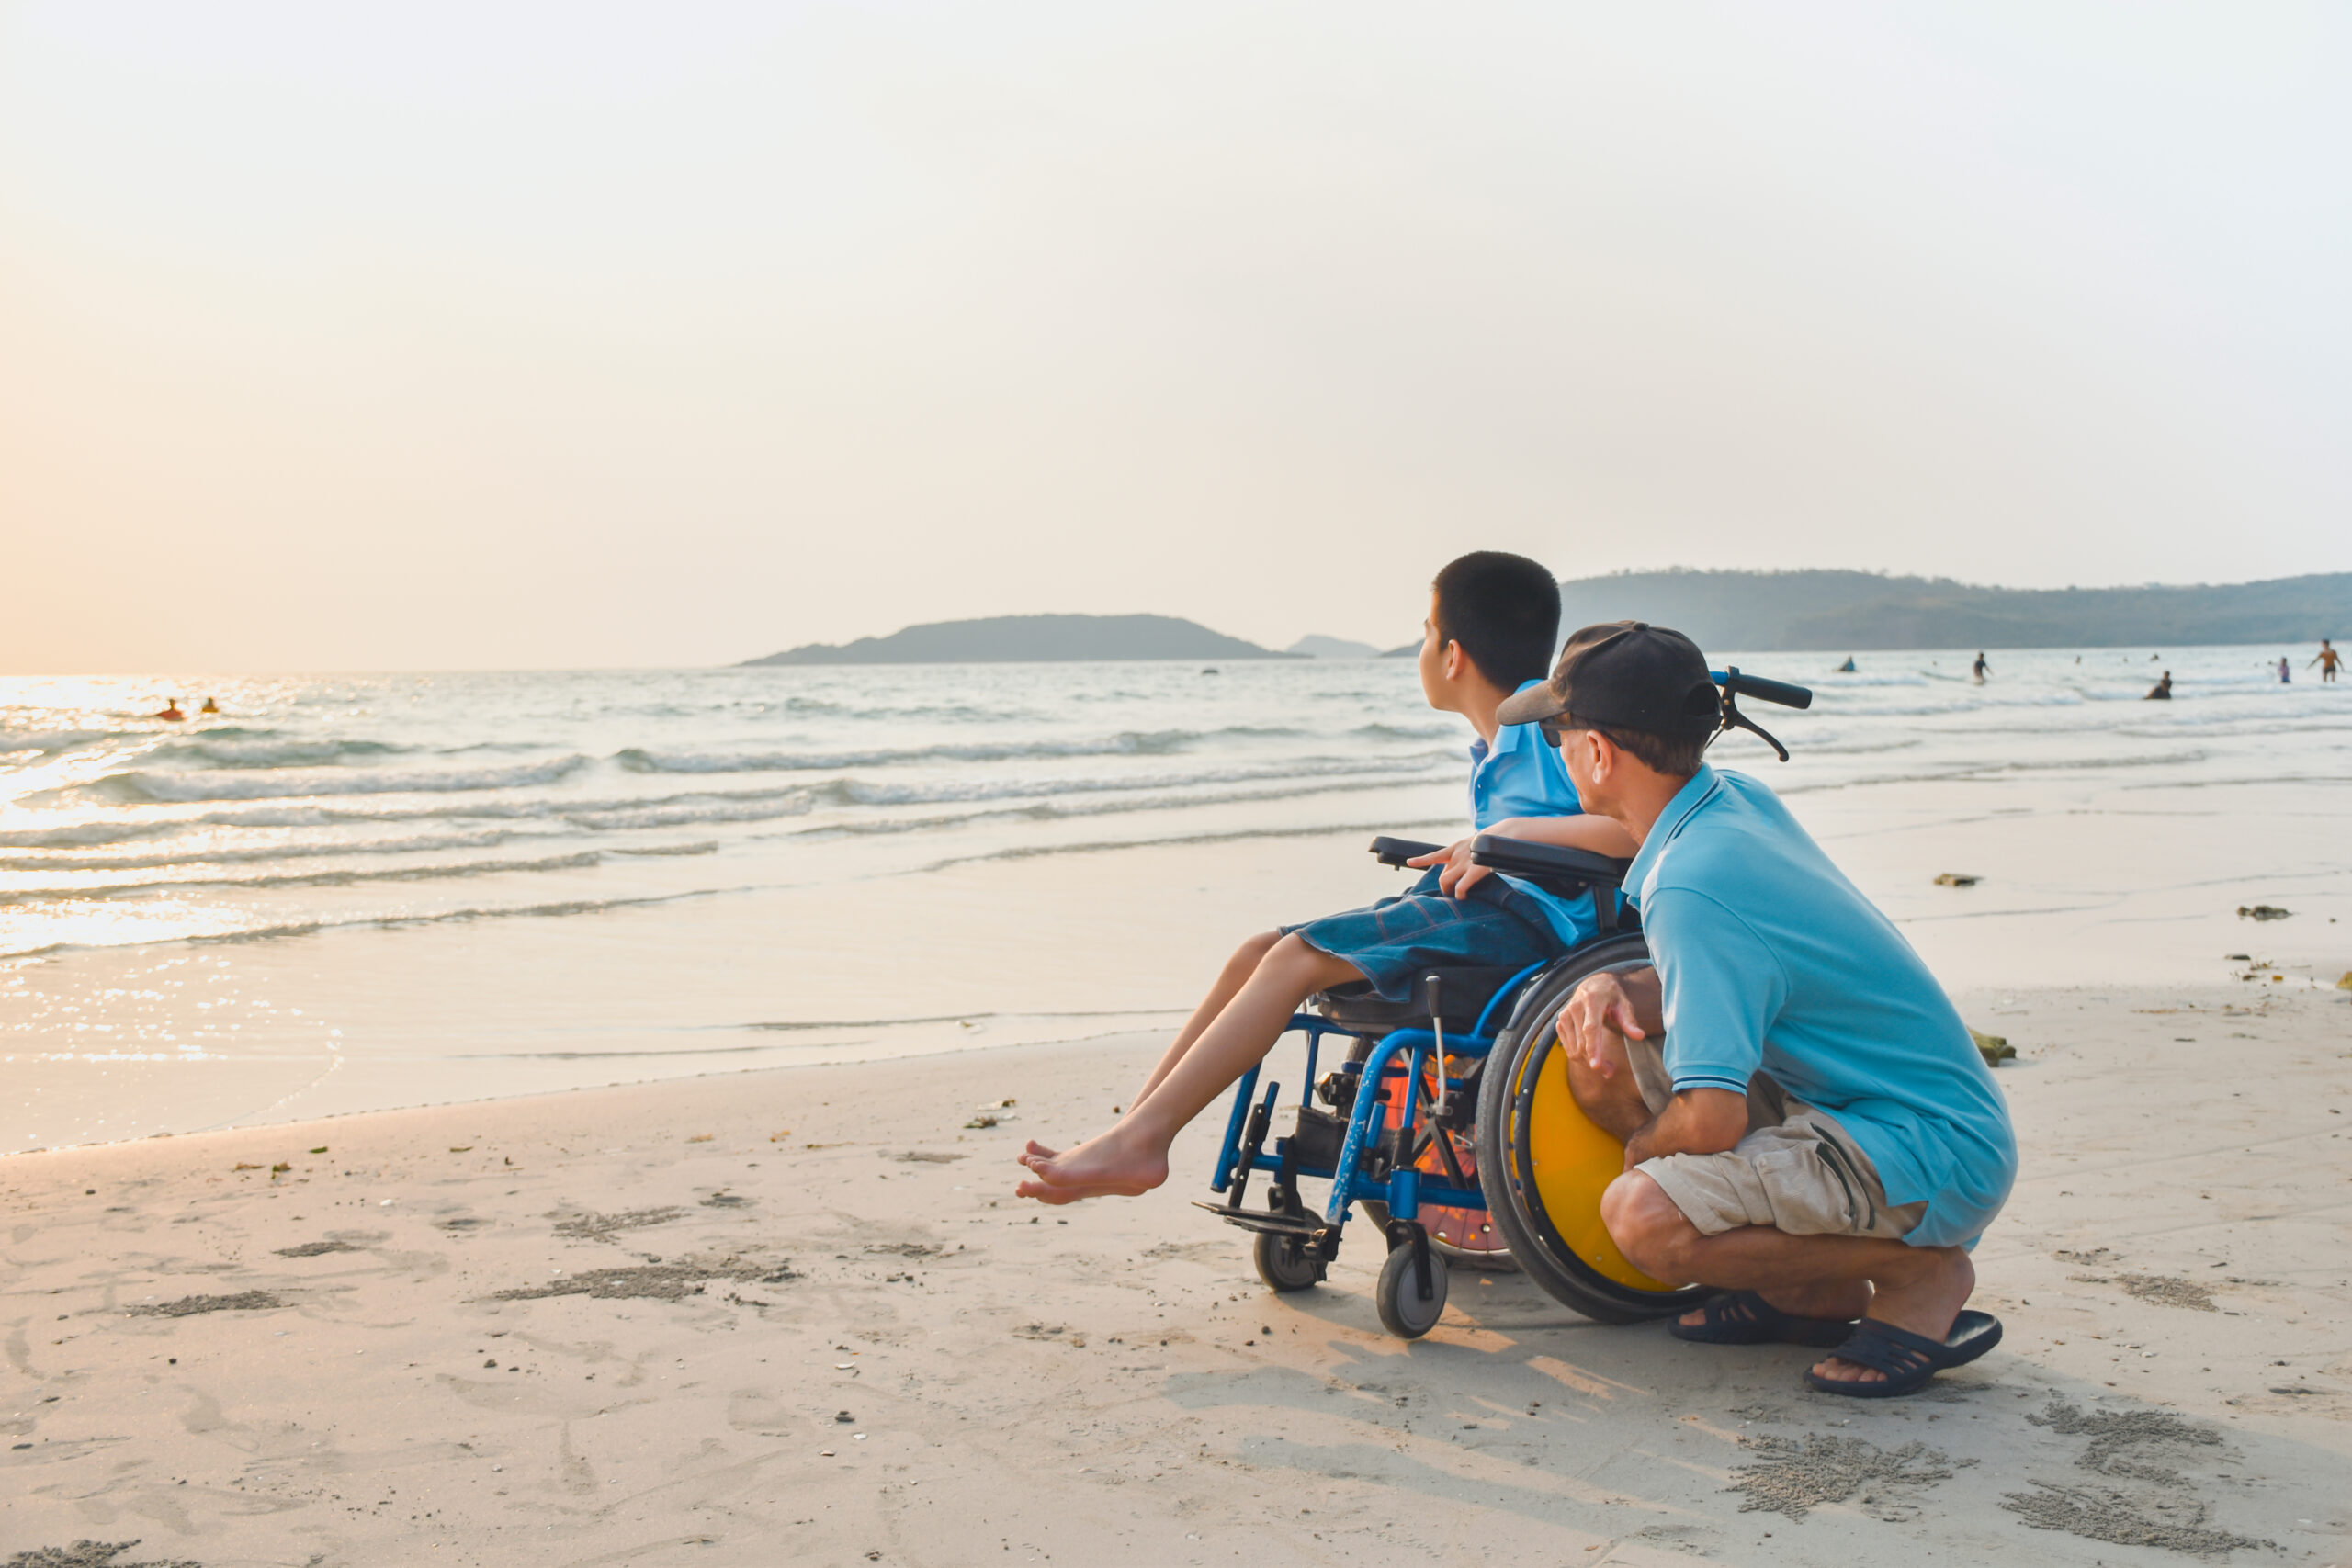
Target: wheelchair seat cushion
x,y
1462,994
1395,943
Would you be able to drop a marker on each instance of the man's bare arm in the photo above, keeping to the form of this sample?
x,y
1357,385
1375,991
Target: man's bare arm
x,y
1627,1003
1695,1121
1630,1004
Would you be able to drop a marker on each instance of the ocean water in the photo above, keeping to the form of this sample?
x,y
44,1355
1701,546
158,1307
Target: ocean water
x,y
454,884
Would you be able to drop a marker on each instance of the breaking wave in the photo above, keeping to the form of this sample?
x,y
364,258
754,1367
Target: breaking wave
x,y
52,743
260,853
219,754
308,878
146,785
1130,744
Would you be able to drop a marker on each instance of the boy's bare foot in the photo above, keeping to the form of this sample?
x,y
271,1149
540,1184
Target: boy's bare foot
x,y
1118,1163
1925,1302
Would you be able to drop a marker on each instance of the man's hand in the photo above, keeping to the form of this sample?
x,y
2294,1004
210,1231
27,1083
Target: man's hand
x,y
1461,873
1606,1010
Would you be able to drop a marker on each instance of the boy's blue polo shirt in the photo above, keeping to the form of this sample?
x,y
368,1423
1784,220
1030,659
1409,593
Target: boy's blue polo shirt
x,y
1520,775
1770,959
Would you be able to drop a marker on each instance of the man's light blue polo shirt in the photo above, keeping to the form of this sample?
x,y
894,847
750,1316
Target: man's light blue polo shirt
x,y
1521,775
1770,959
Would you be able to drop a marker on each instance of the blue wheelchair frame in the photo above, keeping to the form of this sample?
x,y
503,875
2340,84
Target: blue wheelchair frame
x,y
1402,1189
1403,1053
1375,1161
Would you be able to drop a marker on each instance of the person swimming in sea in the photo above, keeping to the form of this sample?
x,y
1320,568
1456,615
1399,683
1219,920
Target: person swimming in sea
x,y
1846,667
1980,669
209,706
2328,659
171,711
2286,672
2161,691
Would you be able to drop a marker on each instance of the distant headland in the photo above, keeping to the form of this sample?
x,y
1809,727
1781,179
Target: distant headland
x,y
1758,612
1005,639
1829,612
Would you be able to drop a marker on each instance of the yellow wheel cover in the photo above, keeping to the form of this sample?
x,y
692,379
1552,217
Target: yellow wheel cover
x,y
1574,1162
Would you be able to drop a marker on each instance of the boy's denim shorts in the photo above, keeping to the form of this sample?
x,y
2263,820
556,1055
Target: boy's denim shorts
x,y
1398,939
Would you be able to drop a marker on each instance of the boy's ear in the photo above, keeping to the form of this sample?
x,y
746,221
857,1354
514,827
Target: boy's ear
x,y
1456,661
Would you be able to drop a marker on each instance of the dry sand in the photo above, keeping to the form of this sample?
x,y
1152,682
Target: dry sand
x,y
795,1316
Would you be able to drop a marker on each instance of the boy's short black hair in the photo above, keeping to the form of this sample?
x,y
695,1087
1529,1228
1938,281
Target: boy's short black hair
x,y
1505,612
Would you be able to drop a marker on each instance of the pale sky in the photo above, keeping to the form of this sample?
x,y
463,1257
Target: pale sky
x,y
415,335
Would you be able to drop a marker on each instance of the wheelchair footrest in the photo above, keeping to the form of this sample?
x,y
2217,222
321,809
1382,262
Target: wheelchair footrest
x,y
1301,1225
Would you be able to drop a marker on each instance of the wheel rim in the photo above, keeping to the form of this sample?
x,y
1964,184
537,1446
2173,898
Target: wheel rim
x,y
1282,1263
1415,1313
1572,1162
1547,1163
1469,1232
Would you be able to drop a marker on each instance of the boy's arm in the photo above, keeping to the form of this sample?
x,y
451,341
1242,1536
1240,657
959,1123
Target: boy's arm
x,y
1601,835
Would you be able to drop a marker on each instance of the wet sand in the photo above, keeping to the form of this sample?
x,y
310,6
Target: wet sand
x,y
2111,880
797,1316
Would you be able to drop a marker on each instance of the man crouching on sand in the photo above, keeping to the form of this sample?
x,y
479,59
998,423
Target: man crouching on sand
x,y
1807,1123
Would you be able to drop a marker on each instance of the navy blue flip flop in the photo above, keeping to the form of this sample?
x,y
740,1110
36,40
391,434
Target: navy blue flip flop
x,y
1907,1359
1743,1317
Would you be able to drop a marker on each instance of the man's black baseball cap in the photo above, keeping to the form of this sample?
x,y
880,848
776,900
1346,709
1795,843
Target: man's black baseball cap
x,y
1627,675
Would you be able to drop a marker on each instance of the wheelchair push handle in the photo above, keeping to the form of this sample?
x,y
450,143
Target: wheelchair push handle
x,y
1397,851
1735,684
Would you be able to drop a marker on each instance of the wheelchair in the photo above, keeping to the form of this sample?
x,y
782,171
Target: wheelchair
x,y
1450,1123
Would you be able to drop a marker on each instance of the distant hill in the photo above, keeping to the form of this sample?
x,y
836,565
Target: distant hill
x,y
1003,639
1759,612
1315,646
1841,610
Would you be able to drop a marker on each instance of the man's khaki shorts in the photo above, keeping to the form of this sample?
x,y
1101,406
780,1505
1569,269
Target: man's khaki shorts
x,y
1796,1170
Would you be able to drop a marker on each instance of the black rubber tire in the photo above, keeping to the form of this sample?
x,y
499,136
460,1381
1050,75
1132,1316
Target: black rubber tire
x,y
1404,1311
1282,1262
1512,1200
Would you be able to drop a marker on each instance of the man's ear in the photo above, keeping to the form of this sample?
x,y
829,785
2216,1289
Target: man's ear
x,y
1454,661
1601,759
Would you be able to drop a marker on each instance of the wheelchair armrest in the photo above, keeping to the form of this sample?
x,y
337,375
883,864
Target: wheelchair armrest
x,y
1397,851
1552,867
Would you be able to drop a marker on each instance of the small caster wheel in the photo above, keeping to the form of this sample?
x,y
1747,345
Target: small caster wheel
x,y
1282,1262
1404,1311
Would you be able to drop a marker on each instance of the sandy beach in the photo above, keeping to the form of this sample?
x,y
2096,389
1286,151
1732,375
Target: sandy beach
x,y
646,639
794,1316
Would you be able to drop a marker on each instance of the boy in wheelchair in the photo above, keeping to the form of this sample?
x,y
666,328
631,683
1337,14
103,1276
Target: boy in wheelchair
x,y
1492,624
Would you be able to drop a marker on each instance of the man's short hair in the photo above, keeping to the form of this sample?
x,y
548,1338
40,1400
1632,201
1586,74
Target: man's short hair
x,y
1677,756
1505,612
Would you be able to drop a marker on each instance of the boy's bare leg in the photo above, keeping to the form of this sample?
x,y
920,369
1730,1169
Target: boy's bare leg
x,y
1918,1288
1132,1157
1230,981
